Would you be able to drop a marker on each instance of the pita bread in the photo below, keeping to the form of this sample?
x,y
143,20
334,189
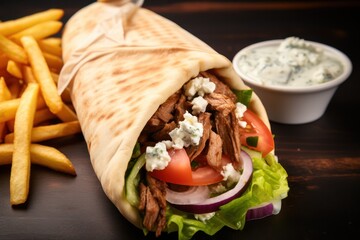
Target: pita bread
x,y
121,63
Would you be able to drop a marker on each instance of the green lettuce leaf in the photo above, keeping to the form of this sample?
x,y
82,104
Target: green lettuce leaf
x,y
269,183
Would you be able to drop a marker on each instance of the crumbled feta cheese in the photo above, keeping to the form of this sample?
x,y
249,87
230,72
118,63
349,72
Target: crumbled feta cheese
x,y
188,133
240,109
205,216
168,144
199,105
239,112
230,174
157,157
199,86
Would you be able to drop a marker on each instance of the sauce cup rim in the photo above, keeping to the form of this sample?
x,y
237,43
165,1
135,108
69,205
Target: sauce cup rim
x,y
305,89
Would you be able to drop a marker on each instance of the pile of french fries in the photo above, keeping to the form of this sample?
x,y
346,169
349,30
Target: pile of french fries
x,y
31,110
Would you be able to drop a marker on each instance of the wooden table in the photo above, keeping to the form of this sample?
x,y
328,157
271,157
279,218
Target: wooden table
x,y
322,158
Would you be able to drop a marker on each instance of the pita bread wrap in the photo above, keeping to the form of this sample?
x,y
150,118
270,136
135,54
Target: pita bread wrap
x,y
121,63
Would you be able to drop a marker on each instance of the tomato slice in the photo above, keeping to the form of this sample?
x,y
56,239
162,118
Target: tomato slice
x,y
179,171
256,135
206,175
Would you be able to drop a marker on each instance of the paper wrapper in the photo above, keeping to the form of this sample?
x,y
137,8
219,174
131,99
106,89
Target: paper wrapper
x,y
121,63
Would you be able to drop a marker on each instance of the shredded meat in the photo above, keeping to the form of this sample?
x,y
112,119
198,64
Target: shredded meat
x,y
221,135
164,120
220,86
154,124
180,108
153,204
214,154
142,192
163,134
158,190
163,115
228,129
149,206
165,110
220,103
194,151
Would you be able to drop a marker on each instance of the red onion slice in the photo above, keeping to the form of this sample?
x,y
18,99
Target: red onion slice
x,y
192,195
197,200
264,210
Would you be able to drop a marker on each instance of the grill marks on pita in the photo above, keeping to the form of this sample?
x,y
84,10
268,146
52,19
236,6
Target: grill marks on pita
x,y
221,135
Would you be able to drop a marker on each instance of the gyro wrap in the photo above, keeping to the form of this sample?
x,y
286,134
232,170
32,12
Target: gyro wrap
x,y
121,63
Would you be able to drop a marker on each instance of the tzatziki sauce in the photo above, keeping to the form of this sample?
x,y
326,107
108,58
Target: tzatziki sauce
x,y
295,62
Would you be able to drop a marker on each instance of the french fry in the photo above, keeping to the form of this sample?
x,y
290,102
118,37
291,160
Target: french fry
x,y
3,60
52,41
39,106
43,115
15,88
9,108
6,152
41,155
54,62
4,95
49,47
30,61
13,26
48,132
14,69
52,158
66,114
20,168
28,75
38,31
41,102
12,50
65,96
42,74
55,77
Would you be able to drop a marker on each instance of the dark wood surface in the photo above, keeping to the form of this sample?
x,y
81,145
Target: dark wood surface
x,y
322,158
